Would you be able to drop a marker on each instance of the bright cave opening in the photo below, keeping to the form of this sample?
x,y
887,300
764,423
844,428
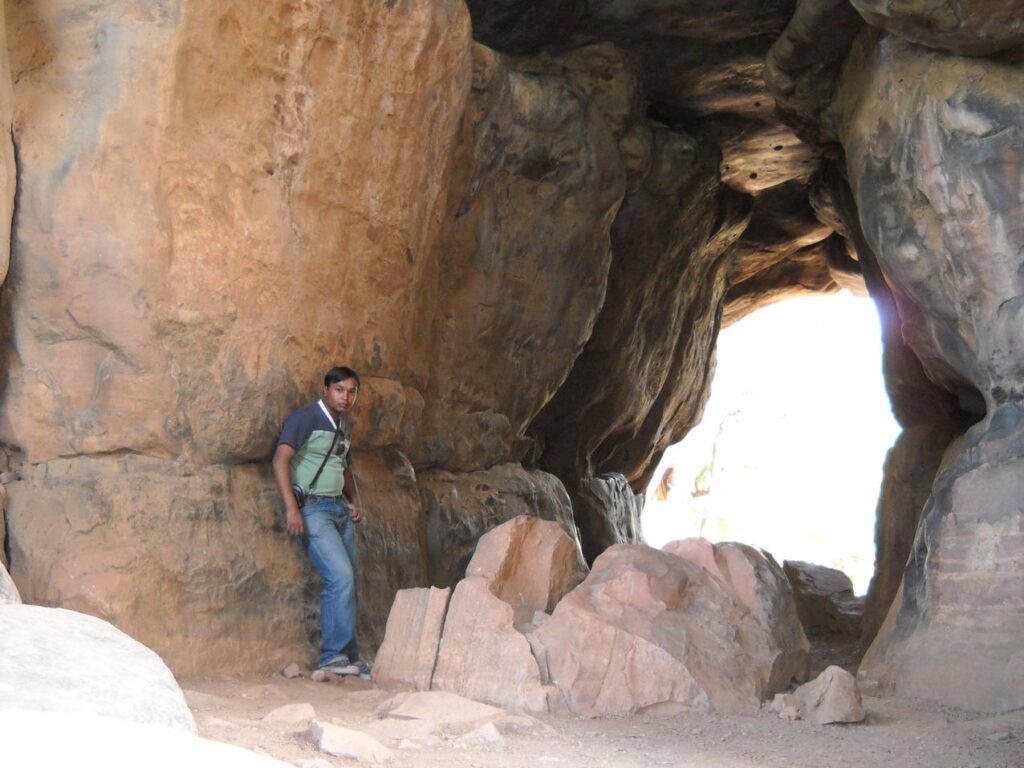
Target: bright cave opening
x,y
788,456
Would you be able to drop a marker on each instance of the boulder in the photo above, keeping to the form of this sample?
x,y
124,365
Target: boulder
x,y
486,735
824,599
530,564
55,660
8,589
757,582
483,656
785,706
408,655
831,697
82,738
647,628
520,569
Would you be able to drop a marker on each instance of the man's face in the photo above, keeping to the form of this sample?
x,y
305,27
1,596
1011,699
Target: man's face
x,y
340,395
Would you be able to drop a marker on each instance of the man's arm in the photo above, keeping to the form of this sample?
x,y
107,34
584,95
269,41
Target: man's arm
x,y
355,511
283,476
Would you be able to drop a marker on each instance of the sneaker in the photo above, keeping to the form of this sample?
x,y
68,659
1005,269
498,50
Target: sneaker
x,y
364,668
340,665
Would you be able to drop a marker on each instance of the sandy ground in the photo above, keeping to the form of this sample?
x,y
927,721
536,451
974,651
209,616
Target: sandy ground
x,y
897,732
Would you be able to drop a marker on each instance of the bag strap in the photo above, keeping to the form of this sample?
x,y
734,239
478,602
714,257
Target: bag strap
x,y
330,450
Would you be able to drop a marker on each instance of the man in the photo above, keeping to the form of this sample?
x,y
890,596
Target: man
x,y
313,452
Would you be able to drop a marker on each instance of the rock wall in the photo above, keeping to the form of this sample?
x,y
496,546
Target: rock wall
x,y
193,249
934,145
215,203
174,248
8,169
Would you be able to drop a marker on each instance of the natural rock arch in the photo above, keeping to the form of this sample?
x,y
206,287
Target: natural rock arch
x,y
525,222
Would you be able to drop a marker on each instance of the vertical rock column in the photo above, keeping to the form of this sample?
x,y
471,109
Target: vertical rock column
x,y
935,150
929,415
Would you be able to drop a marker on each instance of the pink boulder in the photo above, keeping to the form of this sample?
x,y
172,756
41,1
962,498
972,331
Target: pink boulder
x,y
647,628
756,581
406,659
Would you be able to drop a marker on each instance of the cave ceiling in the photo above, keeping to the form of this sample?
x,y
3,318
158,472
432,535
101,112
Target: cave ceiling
x,y
702,65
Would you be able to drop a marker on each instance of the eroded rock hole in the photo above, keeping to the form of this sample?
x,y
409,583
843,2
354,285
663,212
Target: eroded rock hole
x,y
789,454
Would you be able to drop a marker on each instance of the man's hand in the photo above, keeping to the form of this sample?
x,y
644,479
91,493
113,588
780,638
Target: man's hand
x,y
293,520
355,513
283,477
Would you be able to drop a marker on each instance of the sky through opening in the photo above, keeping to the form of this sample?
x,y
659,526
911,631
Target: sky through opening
x,y
789,454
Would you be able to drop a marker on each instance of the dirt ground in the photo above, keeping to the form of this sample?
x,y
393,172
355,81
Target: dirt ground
x,y
897,732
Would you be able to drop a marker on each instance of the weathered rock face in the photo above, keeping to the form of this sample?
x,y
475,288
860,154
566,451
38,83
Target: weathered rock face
x,y
460,508
539,180
110,538
802,66
934,147
172,238
909,472
931,416
608,512
529,258
972,27
648,628
964,112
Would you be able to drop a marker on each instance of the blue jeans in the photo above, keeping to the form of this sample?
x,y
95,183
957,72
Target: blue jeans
x,y
331,544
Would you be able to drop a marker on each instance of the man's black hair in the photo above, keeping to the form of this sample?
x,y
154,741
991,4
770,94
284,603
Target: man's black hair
x,y
340,373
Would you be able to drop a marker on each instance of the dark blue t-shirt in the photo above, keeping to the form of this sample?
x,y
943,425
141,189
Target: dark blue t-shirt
x,y
310,431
